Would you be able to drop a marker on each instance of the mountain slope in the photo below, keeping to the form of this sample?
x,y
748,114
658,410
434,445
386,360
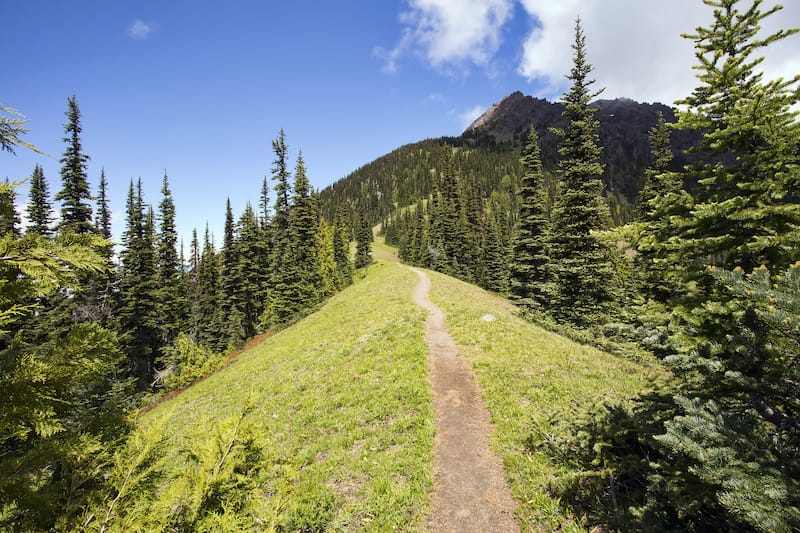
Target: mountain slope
x,y
490,149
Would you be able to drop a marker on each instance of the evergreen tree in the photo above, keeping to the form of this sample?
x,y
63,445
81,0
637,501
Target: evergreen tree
x,y
363,241
264,204
39,209
738,392
495,260
658,183
209,328
138,317
278,310
229,260
529,275
75,197
331,280
63,404
341,246
103,222
251,254
580,262
171,300
9,219
304,224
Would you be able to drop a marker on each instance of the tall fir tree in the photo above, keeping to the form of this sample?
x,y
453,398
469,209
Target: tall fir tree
x,y
228,261
363,241
251,255
530,280
278,310
75,197
9,219
341,246
304,224
171,298
138,317
103,222
210,331
39,209
579,260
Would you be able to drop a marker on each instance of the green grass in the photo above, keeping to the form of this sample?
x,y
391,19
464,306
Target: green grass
x,y
328,425
339,418
529,376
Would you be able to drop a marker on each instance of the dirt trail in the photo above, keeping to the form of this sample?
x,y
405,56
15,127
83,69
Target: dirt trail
x,y
470,493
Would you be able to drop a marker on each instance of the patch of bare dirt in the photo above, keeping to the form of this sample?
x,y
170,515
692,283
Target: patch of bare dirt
x,y
471,492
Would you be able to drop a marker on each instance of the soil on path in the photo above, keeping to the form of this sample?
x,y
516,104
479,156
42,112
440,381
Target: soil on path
x,y
471,492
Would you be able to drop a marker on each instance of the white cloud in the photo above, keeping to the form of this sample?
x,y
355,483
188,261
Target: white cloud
x,y
450,33
140,29
468,117
635,45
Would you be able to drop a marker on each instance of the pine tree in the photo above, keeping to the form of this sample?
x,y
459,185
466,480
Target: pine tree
x,y
103,222
658,183
263,204
171,299
363,241
138,317
76,211
209,329
529,283
735,379
331,280
495,260
282,274
9,219
304,224
341,246
229,260
251,254
583,271
39,210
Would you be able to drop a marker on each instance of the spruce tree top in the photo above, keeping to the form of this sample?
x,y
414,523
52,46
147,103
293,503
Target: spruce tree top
x,y
75,197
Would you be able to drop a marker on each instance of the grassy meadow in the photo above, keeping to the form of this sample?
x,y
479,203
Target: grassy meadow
x,y
325,425
328,425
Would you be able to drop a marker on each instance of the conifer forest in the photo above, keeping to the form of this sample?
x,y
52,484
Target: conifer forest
x,y
680,258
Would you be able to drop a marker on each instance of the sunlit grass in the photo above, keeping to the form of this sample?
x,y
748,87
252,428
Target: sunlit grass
x,y
341,409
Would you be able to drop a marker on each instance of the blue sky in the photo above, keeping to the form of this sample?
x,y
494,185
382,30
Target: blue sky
x,y
200,89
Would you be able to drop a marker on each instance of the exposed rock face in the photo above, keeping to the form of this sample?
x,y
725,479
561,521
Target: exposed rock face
x,y
624,126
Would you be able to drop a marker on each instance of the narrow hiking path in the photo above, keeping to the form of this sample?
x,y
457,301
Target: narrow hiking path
x,y
470,491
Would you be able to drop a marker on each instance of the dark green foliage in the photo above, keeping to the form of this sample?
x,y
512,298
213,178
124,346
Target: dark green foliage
x,y
209,325
139,319
724,456
9,219
363,242
76,211
170,294
39,210
529,263
578,260
63,401
658,182
495,262
303,227
229,314
341,247
251,274
103,222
